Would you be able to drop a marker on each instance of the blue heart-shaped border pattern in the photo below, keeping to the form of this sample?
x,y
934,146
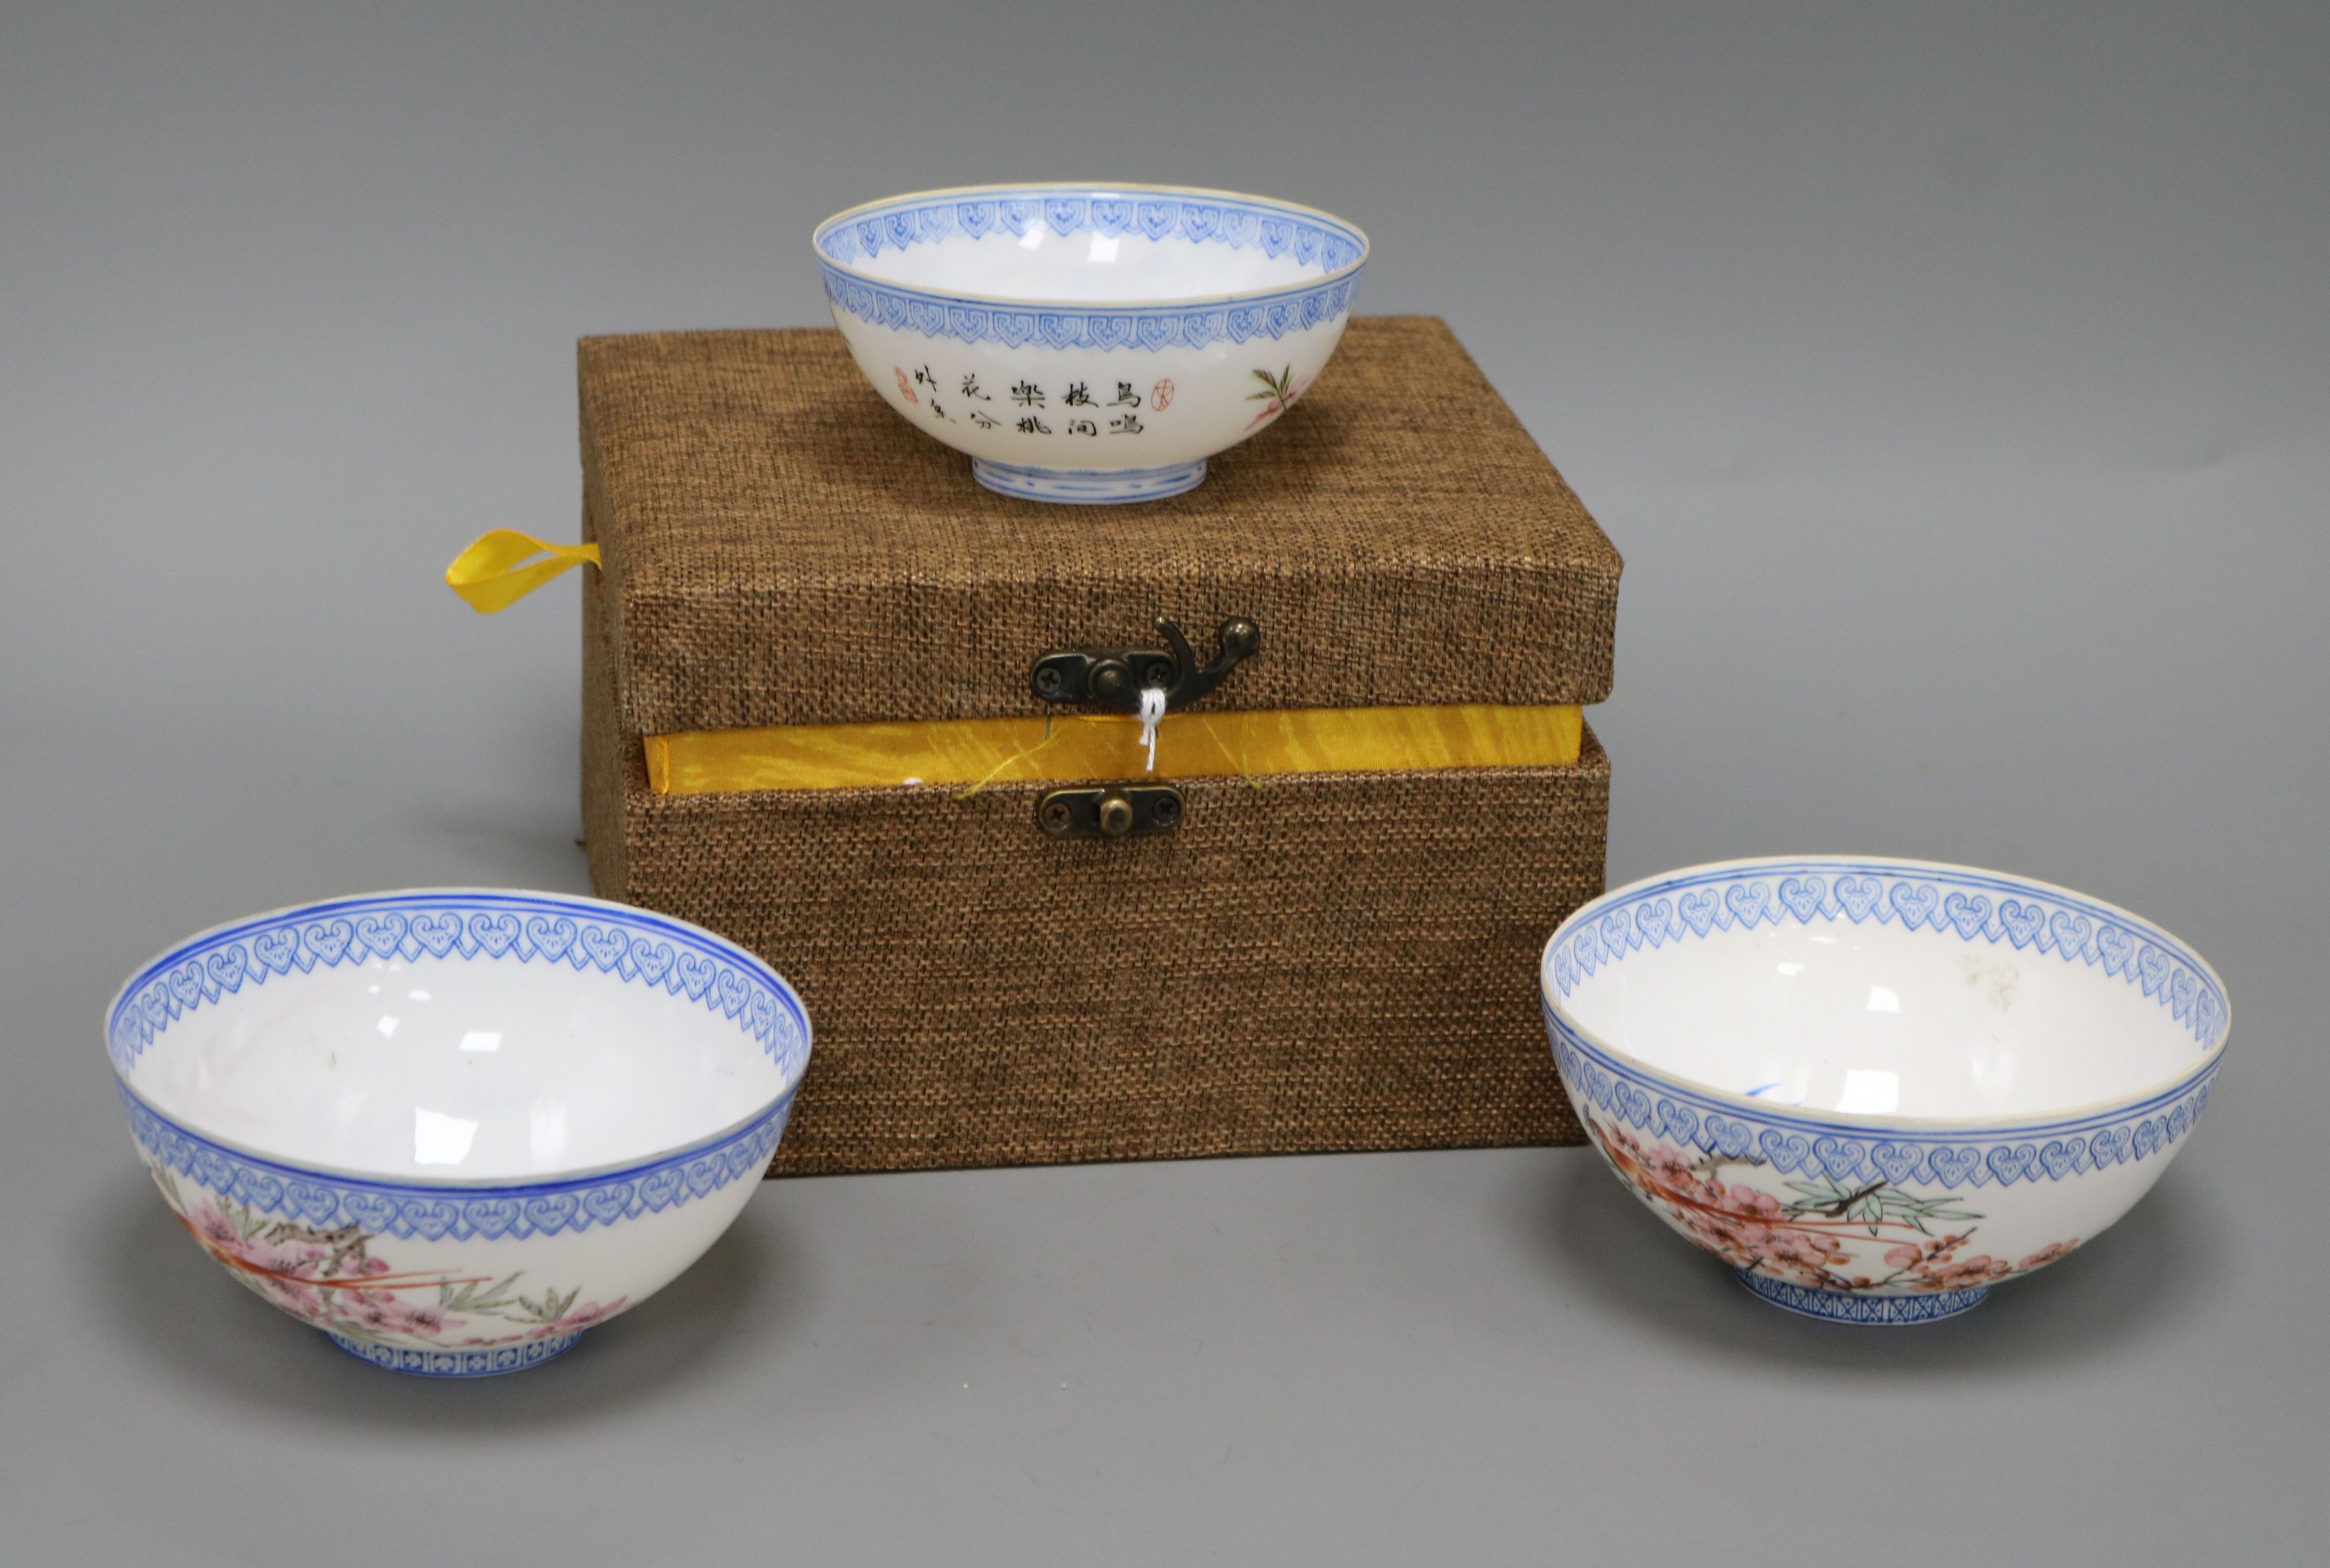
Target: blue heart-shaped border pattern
x,y
2034,1152
1953,904
1235,223
436,1212
943,315
1949,901
641,947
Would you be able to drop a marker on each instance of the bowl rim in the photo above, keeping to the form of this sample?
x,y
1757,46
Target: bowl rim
x,y
1089,190
2161,1089
789,1079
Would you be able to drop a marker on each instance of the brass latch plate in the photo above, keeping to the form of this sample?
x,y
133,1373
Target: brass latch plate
x,y
1116,811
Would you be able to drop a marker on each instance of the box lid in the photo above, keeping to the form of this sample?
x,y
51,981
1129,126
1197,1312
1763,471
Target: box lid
x,y
778,547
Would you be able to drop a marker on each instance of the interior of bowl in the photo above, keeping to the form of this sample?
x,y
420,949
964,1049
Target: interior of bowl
x,y
1888,989
461,1037
1083,243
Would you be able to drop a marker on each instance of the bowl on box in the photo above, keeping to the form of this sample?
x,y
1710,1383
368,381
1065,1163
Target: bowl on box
x,y
1877,1088
1087,343
453,1128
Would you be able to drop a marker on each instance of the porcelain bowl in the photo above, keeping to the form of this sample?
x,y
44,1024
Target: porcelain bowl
x,y
453,1128
1088,343
1876,1088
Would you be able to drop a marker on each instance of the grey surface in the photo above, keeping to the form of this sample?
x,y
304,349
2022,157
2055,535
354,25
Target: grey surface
x,y
1953,381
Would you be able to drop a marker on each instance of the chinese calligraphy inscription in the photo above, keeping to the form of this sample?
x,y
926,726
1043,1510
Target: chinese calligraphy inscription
x,y
919,388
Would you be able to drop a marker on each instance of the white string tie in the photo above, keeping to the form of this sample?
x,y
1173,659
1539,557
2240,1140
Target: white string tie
x,y
1152,714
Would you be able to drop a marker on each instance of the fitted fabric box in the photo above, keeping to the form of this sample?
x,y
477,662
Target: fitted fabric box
x,y
1307,956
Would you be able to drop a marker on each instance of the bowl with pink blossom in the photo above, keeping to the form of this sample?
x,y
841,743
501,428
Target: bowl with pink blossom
x,y
1878,1088
453,1128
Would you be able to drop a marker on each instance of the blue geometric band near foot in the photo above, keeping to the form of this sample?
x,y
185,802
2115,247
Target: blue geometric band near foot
x,y
1844,1306
1088,487
491,1362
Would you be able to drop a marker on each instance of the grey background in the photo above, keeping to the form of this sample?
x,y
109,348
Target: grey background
x,y
1953,378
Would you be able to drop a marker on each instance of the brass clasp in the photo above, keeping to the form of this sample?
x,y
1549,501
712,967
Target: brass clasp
x,y
1113,679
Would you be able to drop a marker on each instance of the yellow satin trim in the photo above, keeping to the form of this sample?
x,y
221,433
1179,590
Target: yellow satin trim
x,y
489,575
1204,744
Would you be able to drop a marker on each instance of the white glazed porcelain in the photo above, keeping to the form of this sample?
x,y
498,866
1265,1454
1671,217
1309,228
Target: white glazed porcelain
x,y
1878,1087
1086,343
453,1128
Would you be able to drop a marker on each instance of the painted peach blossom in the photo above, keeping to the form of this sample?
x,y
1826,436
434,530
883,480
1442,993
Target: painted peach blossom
x,y
333,1279
1820,1240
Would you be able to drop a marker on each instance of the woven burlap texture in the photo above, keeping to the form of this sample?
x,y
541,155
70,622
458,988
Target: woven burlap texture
x,y
1323,962
1331,962
784,549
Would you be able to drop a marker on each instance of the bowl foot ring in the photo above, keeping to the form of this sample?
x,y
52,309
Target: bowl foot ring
x,y
491,1361
1853,1307
1088,487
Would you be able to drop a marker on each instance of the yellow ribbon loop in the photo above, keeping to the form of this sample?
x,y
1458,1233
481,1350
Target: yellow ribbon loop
x,y
499,569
